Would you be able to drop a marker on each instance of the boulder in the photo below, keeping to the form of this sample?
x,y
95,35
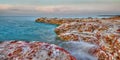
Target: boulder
x,y
21,50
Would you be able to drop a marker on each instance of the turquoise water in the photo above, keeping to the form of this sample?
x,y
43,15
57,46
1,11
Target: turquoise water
x,y
25,28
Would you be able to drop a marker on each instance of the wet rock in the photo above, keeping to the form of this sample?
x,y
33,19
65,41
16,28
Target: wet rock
x,y
86,30
21,50
105,35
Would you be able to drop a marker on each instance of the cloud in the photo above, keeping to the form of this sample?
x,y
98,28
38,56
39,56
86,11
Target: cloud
x,y
4,7
81,8
60,9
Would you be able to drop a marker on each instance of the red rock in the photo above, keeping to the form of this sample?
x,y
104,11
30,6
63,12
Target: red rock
x,y
105,35
20,50
118,30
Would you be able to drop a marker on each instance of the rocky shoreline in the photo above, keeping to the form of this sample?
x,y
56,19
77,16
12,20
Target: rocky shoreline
x,y
69,20
102,32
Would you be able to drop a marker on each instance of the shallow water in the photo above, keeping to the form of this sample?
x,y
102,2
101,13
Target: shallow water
x,y
25,28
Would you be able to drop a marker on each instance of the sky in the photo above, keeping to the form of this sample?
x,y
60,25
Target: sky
x,y
59,7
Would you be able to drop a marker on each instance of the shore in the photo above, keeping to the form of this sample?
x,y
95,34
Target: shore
x,y
102,32
82,39
69,20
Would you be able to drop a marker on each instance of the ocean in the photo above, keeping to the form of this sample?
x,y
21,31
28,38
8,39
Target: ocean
x,y
26,29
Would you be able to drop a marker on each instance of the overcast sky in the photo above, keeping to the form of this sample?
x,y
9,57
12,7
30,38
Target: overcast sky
x,y
59,7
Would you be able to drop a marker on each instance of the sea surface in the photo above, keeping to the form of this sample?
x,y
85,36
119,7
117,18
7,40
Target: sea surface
x,y
25,28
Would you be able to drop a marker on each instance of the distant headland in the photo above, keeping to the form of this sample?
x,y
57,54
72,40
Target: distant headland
x,y
68,20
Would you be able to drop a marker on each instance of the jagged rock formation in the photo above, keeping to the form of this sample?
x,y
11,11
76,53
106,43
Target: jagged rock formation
x,y
65,20
21,50
79,29
105,34
69,20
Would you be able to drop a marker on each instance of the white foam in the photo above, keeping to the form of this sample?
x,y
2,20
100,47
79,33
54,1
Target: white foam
x,y
79,50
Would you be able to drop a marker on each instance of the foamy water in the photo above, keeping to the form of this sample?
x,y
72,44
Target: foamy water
x,y
79,49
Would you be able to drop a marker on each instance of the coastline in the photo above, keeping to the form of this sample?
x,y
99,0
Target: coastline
x,y
98,37
103,32
59,21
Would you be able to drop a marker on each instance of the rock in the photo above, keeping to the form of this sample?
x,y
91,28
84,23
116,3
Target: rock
x,y
60,21
104,34
81,30
21,50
